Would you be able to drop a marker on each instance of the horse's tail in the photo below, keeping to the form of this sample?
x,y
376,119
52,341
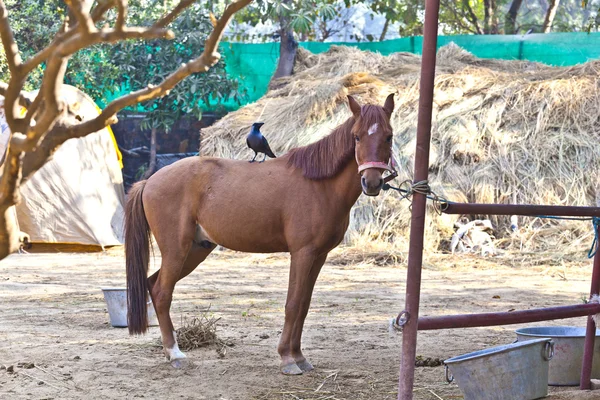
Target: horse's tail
x,y
137,257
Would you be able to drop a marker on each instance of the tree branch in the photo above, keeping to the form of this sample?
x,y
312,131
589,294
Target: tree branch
x,y
102,6
8,41
54,122
459,17
24,100
510,20
472,17
96,15
170,17
82,16
550,14
121,15
207,59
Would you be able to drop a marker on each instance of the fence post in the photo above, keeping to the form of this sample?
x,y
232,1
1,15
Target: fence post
x,y
590,333
417,223
521,48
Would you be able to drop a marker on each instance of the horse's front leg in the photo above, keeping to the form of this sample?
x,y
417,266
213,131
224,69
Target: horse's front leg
x,y
296,342
304,270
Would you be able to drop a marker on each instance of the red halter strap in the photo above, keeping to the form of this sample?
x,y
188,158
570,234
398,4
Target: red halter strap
x,y
374,164
391,167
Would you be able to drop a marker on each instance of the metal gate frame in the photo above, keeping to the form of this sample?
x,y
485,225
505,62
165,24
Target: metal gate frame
x,y
409,318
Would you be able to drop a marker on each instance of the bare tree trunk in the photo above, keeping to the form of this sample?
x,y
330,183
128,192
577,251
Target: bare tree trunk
x,y
490,23
287,54
287,49
510,21
152,162
550,14
385,29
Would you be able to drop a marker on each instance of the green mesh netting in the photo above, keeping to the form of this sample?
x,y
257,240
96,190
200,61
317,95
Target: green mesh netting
x,y
254,64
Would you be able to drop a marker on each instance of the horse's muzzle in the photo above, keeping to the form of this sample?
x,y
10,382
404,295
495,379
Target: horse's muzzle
x,y
371,186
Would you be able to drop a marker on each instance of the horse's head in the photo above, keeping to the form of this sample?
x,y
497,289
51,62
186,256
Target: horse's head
x,y
372,134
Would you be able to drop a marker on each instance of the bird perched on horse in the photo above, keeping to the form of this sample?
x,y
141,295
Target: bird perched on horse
x,y
258,143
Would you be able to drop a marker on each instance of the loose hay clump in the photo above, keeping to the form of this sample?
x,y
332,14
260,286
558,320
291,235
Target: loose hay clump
x,y
199,332
502,132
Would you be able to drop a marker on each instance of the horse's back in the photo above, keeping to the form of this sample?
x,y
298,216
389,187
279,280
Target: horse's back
x,y
251,207
227,198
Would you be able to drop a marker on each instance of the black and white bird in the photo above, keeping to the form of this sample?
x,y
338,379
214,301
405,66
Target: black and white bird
x,y
258,143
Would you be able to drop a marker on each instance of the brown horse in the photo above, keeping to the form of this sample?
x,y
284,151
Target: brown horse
x,y
299,203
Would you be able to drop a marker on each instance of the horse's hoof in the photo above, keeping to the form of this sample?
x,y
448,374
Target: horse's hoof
x,y
291,369
179,363
305,366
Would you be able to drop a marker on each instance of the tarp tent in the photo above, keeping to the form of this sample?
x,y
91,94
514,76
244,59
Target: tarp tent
x,y
78,196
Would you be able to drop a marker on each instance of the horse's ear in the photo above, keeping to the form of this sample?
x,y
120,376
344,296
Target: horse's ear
x,y
354,106
388,106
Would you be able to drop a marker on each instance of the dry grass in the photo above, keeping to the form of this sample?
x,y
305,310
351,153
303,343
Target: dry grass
x,y
503,132
199,332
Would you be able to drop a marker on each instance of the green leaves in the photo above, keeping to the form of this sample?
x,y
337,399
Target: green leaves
x,y
106,71
301,22
327,11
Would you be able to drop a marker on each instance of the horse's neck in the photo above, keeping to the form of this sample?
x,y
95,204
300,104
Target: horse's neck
x,y
347,184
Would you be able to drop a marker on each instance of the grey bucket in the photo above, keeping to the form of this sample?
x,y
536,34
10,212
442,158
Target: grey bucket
x,y
565,368
116,304
517,371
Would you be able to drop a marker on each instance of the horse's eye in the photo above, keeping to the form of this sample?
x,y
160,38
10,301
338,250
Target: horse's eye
x,y
356,138
389,139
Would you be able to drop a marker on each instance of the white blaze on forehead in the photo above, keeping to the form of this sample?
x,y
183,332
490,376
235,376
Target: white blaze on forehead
x,y
373,129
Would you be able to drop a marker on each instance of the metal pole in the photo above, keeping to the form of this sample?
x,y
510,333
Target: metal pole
x,y
506,318
590,333
517,209
417,223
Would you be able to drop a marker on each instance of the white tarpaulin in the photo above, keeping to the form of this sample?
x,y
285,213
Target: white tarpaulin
x,y
78,196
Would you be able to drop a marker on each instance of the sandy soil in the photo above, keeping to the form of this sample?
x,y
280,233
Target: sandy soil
x,y
52,314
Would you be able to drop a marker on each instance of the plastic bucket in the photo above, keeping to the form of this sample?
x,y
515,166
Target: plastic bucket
x,y
517,371
116,303
565,368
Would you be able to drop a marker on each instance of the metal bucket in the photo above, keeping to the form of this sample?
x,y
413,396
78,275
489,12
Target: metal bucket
x,y
116,303
565,368
517,371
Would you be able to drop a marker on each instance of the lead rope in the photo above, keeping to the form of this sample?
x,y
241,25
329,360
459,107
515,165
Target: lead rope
x,y
407,188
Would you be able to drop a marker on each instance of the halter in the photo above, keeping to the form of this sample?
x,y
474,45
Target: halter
x,y
391,167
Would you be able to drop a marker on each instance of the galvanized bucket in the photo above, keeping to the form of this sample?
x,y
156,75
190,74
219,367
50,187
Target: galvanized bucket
x,y
565,368
517,371
116,304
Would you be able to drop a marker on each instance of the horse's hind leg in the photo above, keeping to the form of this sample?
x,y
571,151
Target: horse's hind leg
x,y
173,268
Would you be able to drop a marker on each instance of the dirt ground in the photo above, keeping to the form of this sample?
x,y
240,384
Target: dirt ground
x,y
53,314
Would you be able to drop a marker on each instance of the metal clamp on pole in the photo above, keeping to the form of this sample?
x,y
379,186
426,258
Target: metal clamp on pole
x,y
401,320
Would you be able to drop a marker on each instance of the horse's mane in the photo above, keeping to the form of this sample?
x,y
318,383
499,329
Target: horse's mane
x,y
326,158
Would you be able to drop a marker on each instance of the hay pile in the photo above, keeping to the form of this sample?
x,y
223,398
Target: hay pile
x,y
199,332
503,132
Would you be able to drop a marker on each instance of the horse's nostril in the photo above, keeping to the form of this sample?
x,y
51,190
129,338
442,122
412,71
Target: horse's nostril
x,y
363,181
380,181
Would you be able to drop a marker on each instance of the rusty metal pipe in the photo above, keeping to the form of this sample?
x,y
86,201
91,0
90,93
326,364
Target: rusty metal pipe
x,y
506,318
590,332
517,209
417,223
